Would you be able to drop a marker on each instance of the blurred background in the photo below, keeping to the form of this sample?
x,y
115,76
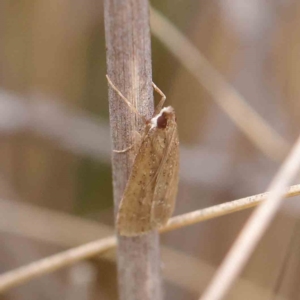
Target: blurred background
x,y
55,169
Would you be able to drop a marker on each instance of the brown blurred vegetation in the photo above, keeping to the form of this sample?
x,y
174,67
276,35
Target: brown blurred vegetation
x,y
55,51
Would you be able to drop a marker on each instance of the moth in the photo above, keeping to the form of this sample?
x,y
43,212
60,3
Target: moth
x,y
149,197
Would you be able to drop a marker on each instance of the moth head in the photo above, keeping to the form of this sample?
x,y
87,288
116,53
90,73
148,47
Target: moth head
x,y
161,120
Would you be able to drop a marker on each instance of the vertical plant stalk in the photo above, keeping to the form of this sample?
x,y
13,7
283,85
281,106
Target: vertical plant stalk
x,y
129,67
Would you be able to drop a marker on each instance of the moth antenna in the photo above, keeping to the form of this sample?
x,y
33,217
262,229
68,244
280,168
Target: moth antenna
x,y
162,100
125,99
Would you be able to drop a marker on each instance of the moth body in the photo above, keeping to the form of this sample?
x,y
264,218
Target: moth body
x,y
149,197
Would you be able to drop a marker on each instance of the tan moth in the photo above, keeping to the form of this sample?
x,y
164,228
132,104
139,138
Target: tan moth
x,y
149,197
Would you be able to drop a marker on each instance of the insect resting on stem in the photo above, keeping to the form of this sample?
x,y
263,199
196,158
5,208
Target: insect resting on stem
x,y
149,197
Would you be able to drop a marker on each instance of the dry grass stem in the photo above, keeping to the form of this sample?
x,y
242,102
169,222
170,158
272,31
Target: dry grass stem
x,y
55,262
222,209
66,258
129,67
232,103
254,229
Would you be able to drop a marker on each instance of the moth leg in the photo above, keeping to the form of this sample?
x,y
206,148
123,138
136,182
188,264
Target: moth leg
x,y
124,150
125,99
162,100
136,144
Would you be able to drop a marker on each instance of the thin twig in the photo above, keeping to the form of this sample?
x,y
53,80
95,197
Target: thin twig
x,y
222,209
46,219
233,104
254,229
66,258
55,262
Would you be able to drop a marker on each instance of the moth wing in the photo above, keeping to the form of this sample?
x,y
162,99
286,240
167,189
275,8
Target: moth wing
x,y
166,183
135,208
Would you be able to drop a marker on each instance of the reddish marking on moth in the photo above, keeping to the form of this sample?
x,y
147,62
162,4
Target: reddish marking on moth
x,y
162,121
